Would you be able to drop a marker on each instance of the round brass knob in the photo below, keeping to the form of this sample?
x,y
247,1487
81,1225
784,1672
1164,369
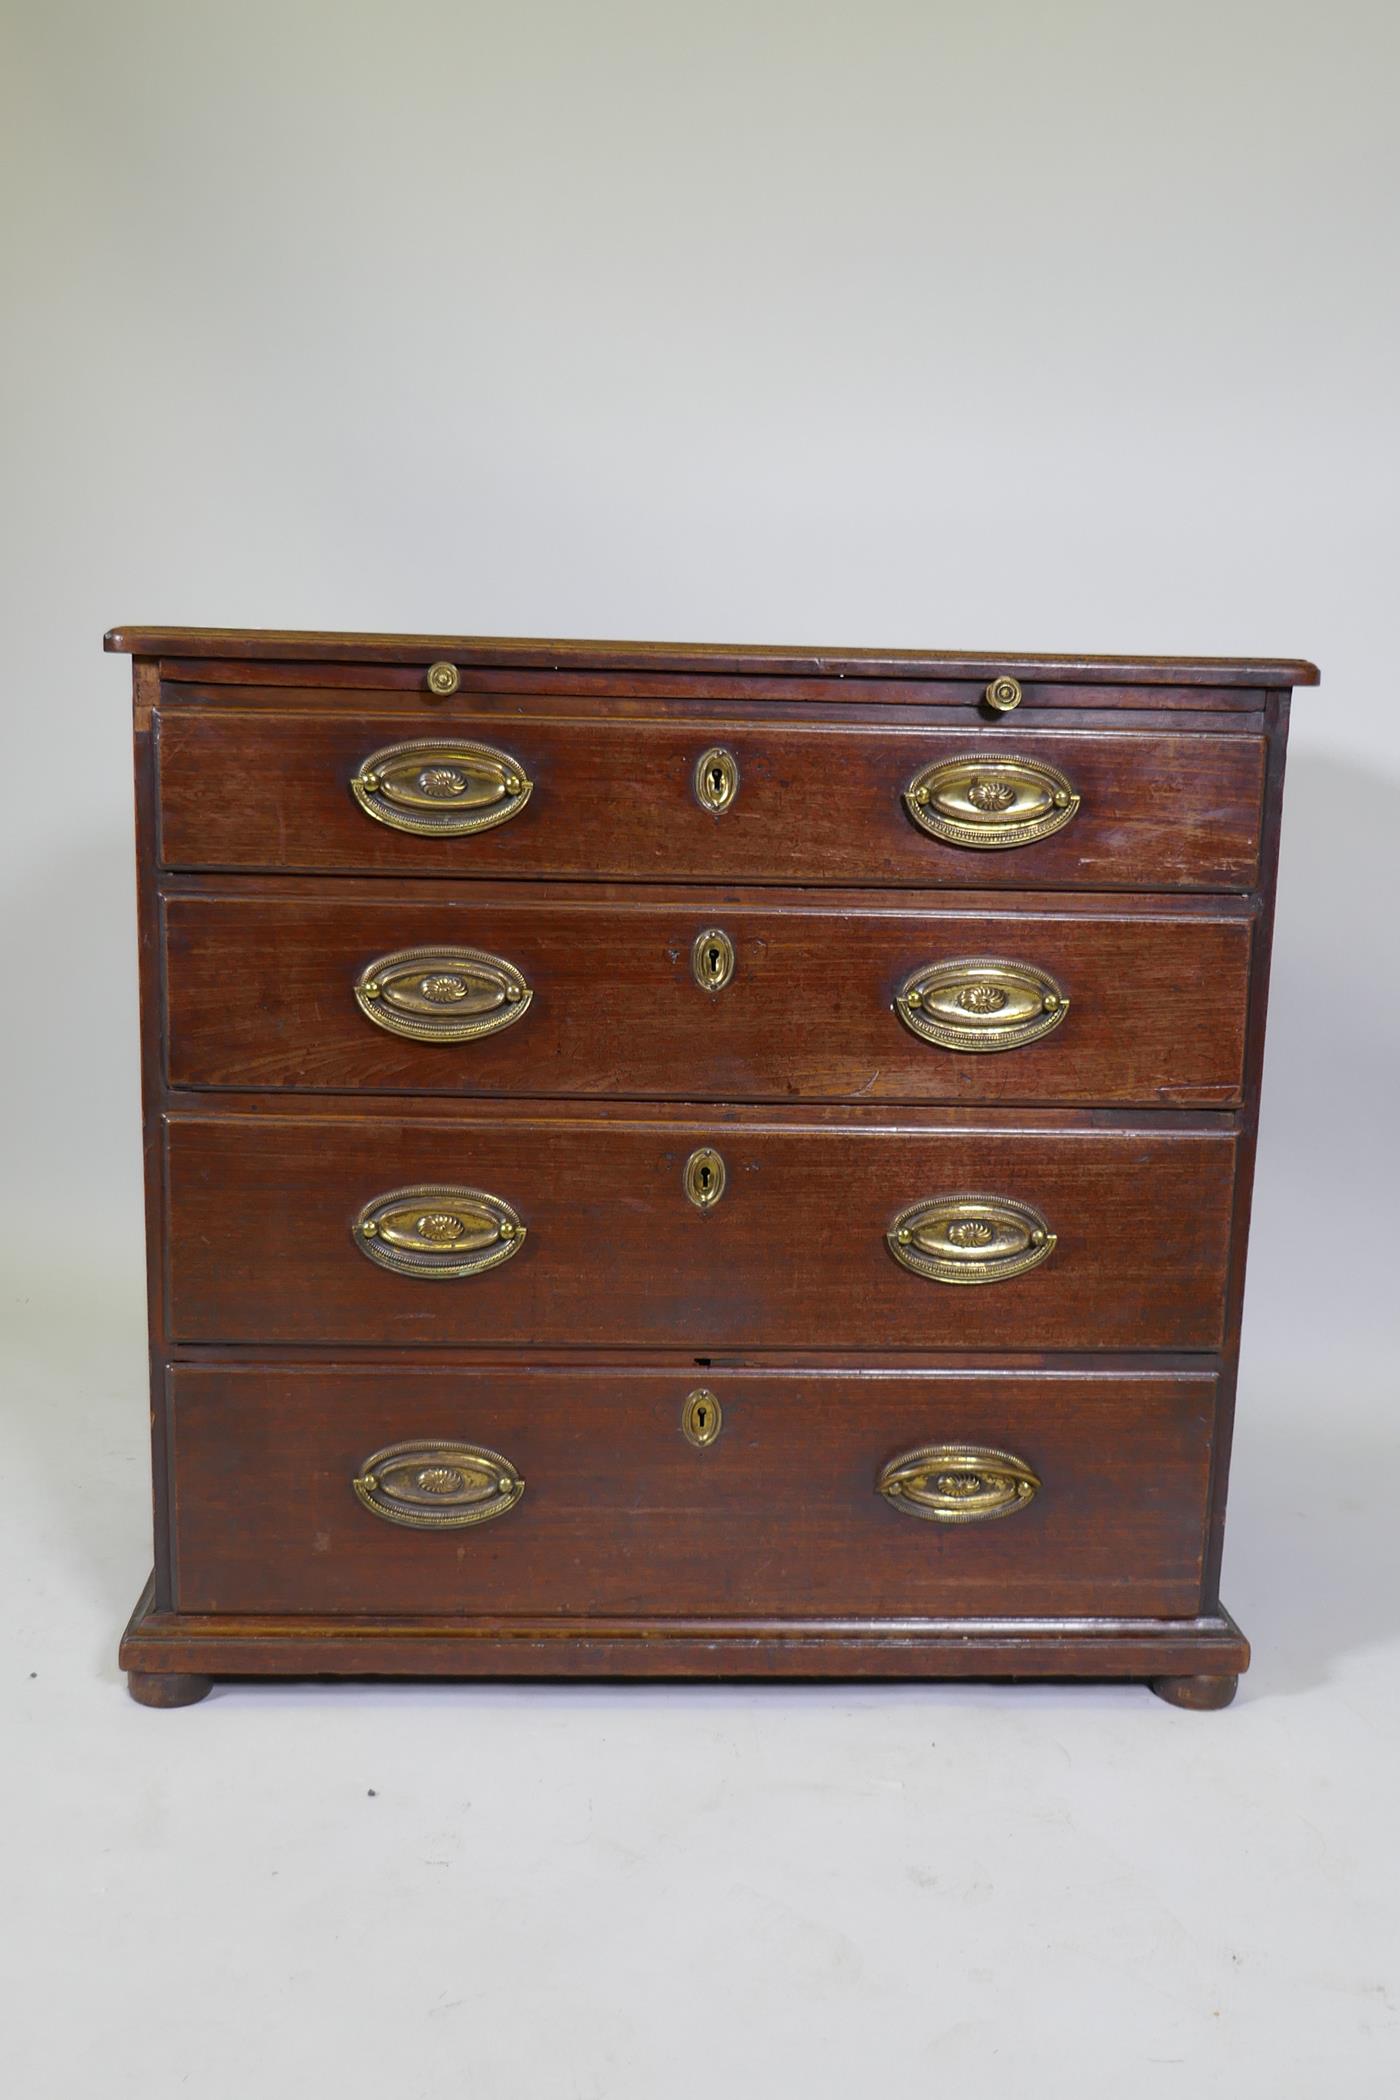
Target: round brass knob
x,y
1003,694
443,678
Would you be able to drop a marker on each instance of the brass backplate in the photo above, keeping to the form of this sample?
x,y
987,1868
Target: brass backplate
x,y
439,789
957,1483
435,1232
431,1486
442,994
981,1003
990,801
964,1238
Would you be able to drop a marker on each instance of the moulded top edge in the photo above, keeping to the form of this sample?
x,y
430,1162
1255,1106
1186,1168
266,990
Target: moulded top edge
x,y
736,659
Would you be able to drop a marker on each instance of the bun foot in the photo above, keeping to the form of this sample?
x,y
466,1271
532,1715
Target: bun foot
x,y
163,1688
1202,1694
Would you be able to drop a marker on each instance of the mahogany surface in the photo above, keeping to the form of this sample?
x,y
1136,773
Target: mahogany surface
x,y
503,686
818,801
1202,1694
355,1644
237,645
167,1689
260,994
282,1357
619,1509
262,1206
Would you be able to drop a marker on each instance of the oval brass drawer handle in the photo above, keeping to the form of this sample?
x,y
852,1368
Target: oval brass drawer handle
x,y
970,1239
438,1487
434,1232
442,995
990,802
981,1002
957,1483
439,789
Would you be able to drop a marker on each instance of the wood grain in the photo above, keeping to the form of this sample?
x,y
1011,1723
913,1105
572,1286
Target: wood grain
x,y
621,1514
260,995
280,1355
818,803
794,1255
280,1644
205,682
251,644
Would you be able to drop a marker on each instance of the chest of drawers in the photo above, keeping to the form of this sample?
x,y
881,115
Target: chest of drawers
x,y
695,1161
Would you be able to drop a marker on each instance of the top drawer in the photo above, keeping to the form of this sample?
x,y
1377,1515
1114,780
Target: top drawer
x,y
730,797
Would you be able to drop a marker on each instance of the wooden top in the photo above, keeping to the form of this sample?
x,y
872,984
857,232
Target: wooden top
x,y
738,659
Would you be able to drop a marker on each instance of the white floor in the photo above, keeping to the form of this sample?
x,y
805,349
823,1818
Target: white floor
x,y
644,1892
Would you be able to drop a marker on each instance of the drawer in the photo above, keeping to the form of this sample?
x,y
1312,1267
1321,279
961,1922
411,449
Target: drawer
x,y
782,1513
562,992
815,801
266,1212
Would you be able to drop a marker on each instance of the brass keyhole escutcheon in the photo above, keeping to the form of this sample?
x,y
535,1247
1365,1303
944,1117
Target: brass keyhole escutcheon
x,y
702,1418
712,959
716,779
704,1177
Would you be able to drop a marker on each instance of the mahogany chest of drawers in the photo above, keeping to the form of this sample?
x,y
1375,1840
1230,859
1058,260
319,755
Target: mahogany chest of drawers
x,y
695,1161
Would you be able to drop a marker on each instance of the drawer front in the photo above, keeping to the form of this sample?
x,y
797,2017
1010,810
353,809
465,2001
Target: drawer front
x,y
700,997
624,1244
782,1513
817,802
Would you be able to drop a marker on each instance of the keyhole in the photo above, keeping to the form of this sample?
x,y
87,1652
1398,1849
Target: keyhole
x,y
712,959
716,779
704,1177
702,1418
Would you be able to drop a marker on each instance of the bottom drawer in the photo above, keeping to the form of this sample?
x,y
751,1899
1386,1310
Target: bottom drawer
x,y
1038,1492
